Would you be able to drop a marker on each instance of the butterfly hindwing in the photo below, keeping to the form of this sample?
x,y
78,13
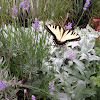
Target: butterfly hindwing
x,y
70,36
60,35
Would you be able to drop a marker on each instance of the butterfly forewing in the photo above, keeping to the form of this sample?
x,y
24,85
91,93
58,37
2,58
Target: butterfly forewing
x,y
56,30
70,35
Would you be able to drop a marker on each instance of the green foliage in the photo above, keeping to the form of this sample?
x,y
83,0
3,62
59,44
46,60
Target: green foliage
x,y
96,77
24,51
58,7
96,80
94,8
15,66
77,10
73,74
97,48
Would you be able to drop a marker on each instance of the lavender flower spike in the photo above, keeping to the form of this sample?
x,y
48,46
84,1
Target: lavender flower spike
x,y
25,4
86,4
3,85
14,12
33,97
36,25
51,84
69,26
52,13
67,16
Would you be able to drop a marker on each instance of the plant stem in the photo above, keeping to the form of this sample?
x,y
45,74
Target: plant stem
x,y
24,93
34,88
79,19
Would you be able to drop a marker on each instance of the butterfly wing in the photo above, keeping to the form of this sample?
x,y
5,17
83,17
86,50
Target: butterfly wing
x,y
55,30
60,35
69,35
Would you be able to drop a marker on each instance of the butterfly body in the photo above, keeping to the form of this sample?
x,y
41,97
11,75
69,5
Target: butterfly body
x,y
60,35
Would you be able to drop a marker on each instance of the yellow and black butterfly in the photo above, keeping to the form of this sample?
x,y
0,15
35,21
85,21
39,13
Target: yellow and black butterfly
x,y
60,35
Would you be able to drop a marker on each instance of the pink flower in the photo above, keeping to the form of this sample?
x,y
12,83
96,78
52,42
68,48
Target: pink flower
x,y
0,7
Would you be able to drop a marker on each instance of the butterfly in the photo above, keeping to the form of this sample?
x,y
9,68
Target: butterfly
x,y
60,35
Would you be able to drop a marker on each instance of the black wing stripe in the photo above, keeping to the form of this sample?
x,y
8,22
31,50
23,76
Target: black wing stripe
x,y
72,33
46,27
55,27
59,28
69,31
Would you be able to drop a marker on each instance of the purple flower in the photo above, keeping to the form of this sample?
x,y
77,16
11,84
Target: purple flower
x,y
33,97
45,8
21,4
69,26
3,85
51,84
71,53
20,82
25,4
0,7
36,20
14,12
36,25
86,4
52,13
